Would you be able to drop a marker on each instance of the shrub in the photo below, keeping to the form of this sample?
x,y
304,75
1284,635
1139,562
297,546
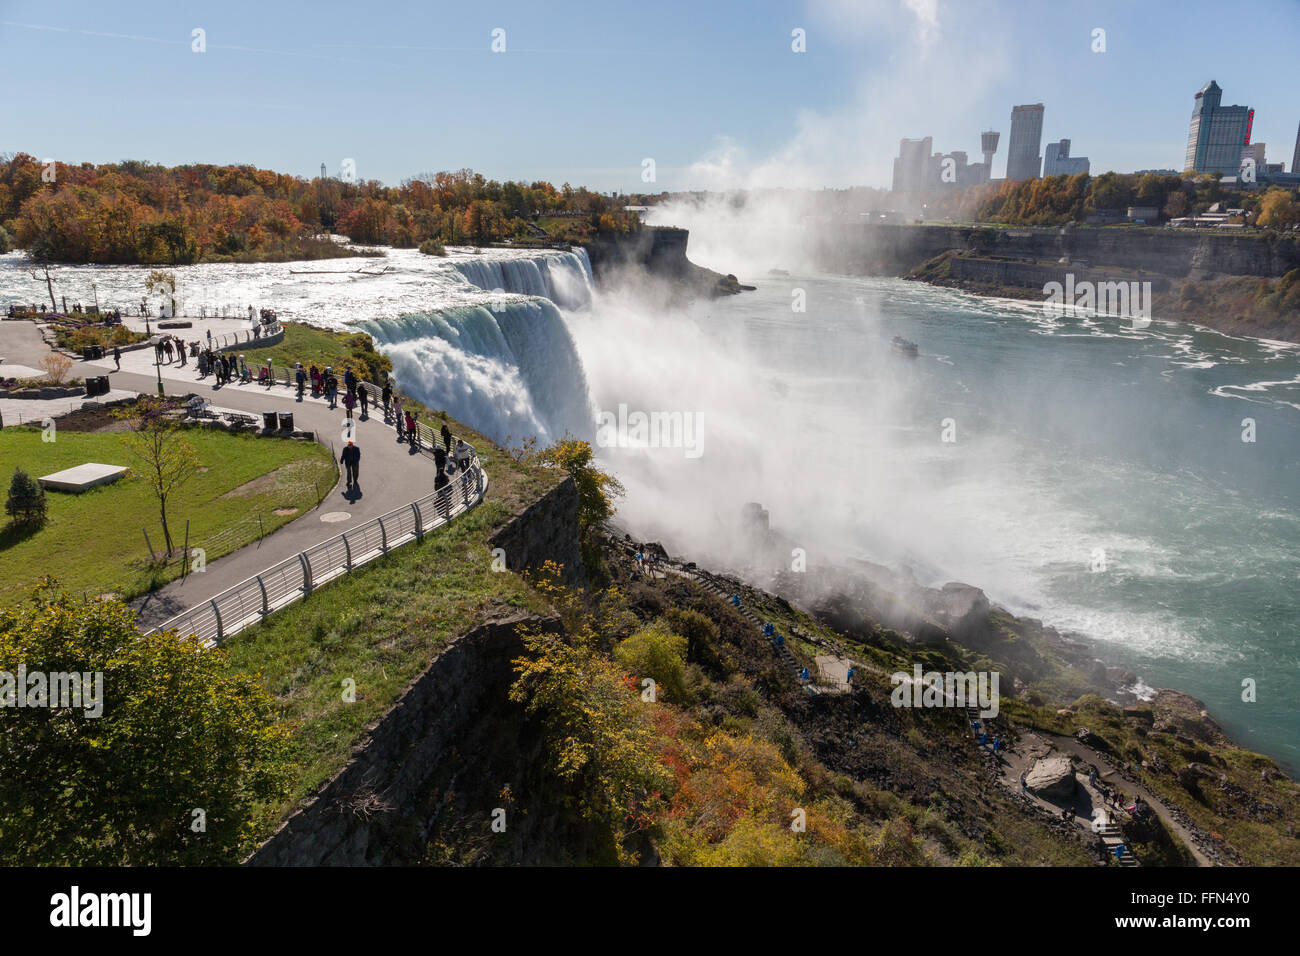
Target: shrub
x,y
657,653
162,731
26,501
56,366
432,247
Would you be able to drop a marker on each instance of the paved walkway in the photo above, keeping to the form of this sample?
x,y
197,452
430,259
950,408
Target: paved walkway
x,y
388,477
1034,744
27,411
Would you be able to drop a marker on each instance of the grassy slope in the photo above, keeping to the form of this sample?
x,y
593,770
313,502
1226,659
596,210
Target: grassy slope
x,y
93,541
382,625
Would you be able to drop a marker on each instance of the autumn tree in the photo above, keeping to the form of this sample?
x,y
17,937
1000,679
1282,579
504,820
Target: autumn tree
x,y
1279,209
597,489
168,459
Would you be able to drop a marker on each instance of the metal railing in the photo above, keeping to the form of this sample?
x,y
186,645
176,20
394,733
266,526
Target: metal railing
x,y
250,601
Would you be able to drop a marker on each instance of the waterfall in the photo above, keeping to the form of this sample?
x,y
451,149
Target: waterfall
x,y
509,367
564,278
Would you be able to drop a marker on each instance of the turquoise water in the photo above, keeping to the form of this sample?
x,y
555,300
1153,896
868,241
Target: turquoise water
x,y
1076,439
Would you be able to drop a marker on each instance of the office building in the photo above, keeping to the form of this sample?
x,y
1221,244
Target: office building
x,y
1023,158
1057,160
912,165
1217,134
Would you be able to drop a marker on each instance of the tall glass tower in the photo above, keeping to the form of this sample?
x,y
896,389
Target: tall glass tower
x,y
1218,134
1023,158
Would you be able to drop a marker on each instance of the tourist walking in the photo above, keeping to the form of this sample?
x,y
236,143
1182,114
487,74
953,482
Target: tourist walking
x,y
301,377
442,494
463,453
351,459
117,357
439,457
364,396
388,397
446,437
398,419
348,402
412,435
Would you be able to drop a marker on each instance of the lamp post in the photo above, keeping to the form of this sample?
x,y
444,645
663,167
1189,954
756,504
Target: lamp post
x,y
157,364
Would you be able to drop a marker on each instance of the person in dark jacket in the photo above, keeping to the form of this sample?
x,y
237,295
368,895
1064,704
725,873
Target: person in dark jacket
x,y
364,398
351,459
412,435
388,397
442,494
301,377
117,357
446,437
439,457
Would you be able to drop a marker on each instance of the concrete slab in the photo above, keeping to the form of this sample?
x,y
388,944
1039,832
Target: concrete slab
x,y
82,477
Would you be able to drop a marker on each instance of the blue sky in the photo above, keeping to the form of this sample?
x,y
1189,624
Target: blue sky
x,y
584,91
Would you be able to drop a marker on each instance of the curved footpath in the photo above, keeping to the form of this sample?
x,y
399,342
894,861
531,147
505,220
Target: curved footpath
x,y
387,479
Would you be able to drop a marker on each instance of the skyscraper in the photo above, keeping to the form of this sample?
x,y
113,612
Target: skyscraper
x,y
1218,134
912,165
1295,159
1023,159
1057,161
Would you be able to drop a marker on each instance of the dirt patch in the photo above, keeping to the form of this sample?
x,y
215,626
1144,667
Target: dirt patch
x,y
258,486
285,511
92,418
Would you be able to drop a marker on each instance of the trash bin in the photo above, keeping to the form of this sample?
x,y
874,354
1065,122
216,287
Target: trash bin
x,y
286,421
269,421
96,385
87,353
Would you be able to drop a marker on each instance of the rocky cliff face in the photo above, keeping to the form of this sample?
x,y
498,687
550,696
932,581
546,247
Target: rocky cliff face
x,y
896,249
660,252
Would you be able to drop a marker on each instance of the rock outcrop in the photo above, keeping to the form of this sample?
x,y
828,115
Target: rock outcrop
x,y
1052,777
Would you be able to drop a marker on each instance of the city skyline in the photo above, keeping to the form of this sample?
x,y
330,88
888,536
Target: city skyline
x,y
717,100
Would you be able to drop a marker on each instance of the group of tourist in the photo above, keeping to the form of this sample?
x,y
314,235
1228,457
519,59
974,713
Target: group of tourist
x,y
110,317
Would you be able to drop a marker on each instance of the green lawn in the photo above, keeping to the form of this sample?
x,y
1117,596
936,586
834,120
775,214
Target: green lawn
x,y
94,542
321,347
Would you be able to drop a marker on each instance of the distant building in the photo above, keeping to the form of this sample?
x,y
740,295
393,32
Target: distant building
x,y
1217,134
1254,153
1144,214
1057,161
1023,159
1295,158
1157,172
912,165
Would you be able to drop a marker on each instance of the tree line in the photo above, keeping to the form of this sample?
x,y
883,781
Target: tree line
x,y
138,212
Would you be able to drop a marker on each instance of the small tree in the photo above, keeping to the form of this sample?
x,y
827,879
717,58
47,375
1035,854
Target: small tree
x,y
26,501
158,442
596,489
56,366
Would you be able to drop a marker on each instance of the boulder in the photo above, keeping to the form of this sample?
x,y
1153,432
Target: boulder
x,y
1052,777
961,608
